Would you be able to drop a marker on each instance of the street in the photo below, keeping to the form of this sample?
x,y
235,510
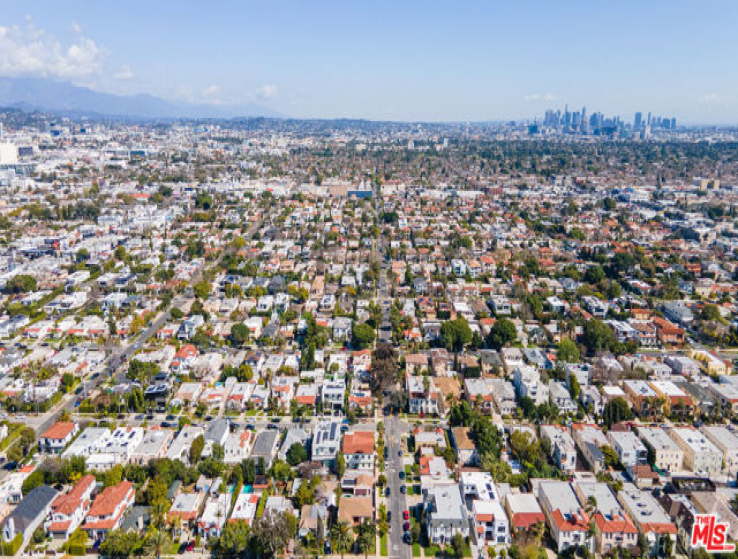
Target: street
x,y
394,428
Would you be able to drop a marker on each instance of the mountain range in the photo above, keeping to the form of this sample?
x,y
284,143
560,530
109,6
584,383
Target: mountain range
x,y
65,98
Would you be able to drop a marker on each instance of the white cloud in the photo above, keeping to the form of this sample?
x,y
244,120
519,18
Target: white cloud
x,y
266,91
212,91
31,51
124,74
712,99
76,28
540,97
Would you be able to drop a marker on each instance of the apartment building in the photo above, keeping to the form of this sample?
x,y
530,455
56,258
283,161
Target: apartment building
x,y
648,516
727,442
700,455
668,456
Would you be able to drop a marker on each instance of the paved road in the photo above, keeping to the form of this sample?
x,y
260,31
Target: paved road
x,y
397,504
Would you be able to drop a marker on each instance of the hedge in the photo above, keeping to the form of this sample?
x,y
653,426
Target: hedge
x,y
8,549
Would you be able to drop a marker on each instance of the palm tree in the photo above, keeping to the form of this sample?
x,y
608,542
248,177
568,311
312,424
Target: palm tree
x,y
156,541
341,537
367,532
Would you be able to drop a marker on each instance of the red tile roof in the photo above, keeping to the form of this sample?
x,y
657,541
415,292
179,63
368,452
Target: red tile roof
x,y
59,430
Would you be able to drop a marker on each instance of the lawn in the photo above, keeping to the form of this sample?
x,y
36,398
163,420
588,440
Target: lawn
x,y
431,551
416,550
410,490
383,545
408,470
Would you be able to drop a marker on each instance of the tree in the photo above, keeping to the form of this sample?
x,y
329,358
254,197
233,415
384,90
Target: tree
x,y
574,387
615,411
458,544
594,275
598,336
34,480
341,537
461,414
198,445
296,454
202,289
240,333
21,283
339,467
384,367
362,335
272,533
156,541
234,539
503,332
120,545
567,351
367,536
455,334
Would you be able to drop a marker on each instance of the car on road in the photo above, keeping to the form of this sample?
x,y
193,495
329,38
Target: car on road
x,y
387,493
406,515
389,516
399,453
191,545
182,548
402,489
272,426
407,538
251,427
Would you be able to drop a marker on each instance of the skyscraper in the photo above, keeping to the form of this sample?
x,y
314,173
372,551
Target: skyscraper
x,y
638,121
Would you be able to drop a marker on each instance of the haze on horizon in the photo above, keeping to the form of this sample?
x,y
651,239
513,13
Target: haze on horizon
x,y
382,60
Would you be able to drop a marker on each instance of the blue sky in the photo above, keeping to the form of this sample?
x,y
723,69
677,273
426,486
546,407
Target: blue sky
x,y
399,60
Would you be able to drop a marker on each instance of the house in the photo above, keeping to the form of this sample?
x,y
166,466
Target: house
x,y
68,510
180,447
294,435
333,394
107,510
466,450
153,445
214,515
523,511
90,442
358,450
559,396
528,384
237,447
648,516
326,442
354,509
491,524
613,527
590,440
422,395
567,520
29,514
446,514
245,507
563,449
265,446
57,437
185,510
630,450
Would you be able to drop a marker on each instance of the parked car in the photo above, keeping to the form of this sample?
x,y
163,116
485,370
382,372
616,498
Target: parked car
x,y
402,489
406,515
